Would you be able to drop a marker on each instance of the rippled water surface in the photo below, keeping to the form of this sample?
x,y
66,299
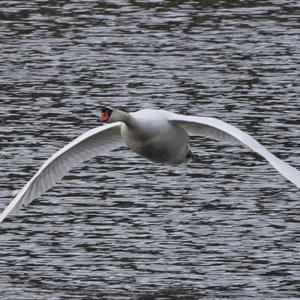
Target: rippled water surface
x,y
119,227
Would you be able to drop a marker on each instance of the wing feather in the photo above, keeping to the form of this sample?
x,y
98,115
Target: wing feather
x,y
220,130
94,142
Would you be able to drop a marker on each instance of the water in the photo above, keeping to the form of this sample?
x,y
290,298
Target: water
x,y
122,228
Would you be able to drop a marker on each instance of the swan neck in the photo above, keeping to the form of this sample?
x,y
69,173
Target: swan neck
x,y
122,116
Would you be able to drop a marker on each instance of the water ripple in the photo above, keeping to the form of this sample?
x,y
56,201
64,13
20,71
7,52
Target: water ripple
x,y
119,227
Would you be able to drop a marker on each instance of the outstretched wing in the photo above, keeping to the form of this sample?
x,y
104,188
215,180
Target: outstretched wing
x,y
221,130
90,144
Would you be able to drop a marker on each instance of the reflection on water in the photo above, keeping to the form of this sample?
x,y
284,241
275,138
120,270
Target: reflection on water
x,y
119,227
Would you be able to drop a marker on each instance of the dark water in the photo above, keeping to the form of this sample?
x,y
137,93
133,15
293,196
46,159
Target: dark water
x,y
120,227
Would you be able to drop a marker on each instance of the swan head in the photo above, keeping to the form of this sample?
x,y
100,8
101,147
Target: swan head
x,y
110,115
105,114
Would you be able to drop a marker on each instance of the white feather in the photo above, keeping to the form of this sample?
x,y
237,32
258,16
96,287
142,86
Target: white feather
x,y
90,144
220,130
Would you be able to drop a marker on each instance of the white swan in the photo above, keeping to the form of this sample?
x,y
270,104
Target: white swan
x,y
157,135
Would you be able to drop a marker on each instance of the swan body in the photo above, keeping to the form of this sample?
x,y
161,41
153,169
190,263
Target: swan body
x,y
152,136
159,136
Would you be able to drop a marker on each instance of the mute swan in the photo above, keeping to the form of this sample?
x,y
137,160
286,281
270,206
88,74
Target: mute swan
x,y
158,135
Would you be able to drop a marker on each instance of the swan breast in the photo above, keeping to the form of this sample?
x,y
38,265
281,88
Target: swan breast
x,y
161,143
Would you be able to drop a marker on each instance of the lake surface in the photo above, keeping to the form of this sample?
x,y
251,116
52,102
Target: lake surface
x,y
119,227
